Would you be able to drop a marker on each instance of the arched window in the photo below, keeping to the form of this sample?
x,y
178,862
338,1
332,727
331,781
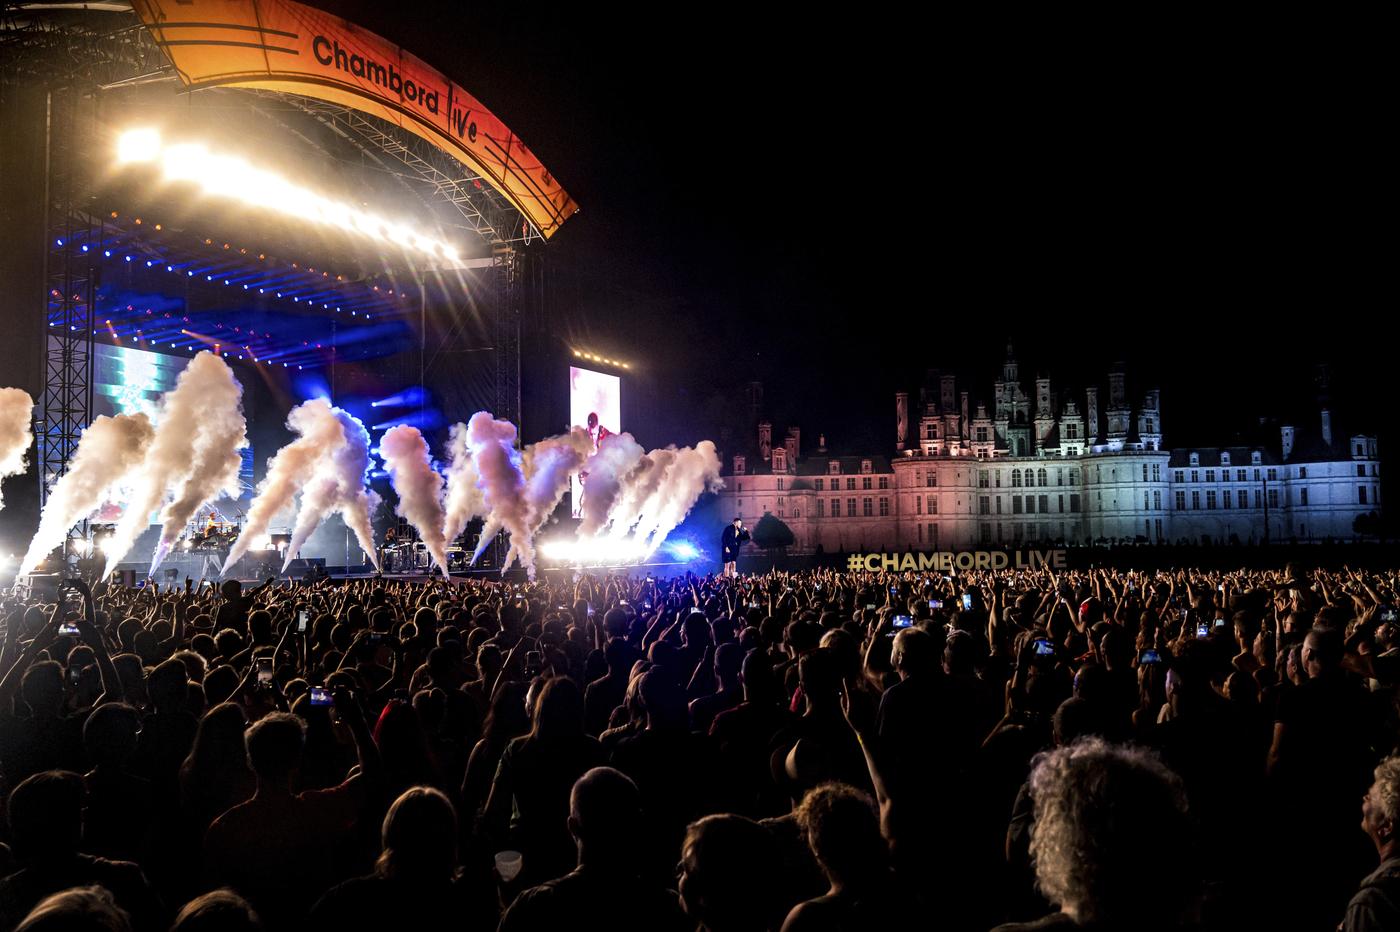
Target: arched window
x,y
1016,478
1040,477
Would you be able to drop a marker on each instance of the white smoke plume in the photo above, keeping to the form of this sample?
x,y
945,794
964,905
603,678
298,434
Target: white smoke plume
x,y
220,431
321,435
419,487
109,452
640,488
16,415
617,456
548,465
464,498
194,454
502,484
338,484
694,471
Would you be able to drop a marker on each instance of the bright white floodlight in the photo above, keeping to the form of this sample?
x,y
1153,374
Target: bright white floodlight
x,y
232,177
138,145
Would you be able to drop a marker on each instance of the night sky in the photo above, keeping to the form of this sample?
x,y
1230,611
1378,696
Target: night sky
x,y
833,206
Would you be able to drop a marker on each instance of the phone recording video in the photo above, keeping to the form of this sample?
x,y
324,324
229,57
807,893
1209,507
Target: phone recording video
x,y
967,601
1044,647
321,697
935,603
264,671
903,621
1149,656
303,619
1202,629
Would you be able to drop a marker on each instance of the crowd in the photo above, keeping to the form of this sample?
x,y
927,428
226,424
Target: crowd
x,y
807,752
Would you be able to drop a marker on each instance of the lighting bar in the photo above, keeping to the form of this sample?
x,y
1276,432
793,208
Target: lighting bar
x,y
230,176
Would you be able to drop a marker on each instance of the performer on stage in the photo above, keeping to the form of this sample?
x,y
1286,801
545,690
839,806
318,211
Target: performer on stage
x,y
386,546
733,537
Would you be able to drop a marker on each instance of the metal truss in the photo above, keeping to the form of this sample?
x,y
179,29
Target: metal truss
x,y
475,204
70,282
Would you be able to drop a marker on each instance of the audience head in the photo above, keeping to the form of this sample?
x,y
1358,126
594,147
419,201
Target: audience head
x,y
1094,854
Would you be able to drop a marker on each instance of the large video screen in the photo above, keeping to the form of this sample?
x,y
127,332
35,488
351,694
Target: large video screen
x,y
127,381
595,403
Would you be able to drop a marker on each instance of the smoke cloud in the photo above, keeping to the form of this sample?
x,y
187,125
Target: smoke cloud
x,y
548,465
212,400
193,456
464,498
338,485
109,452
419,487
321,435
640,488
16,415
617,456
694,471
502,483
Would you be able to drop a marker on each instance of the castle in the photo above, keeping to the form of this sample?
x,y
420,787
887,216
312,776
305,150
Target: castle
x,y
1033,469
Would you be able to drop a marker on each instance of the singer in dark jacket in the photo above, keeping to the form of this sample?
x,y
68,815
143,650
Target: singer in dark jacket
x,y
731,540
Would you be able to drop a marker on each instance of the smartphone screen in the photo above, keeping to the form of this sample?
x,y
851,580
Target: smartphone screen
x,y
967,601
303,617
264,671
1149,656
68,630
935,603
903,621
320,696
1202,629
1044,647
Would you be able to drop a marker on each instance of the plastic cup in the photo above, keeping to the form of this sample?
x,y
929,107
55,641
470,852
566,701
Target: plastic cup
x,y
508,864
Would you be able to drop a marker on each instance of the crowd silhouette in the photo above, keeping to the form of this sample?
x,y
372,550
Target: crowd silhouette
x,y
792,752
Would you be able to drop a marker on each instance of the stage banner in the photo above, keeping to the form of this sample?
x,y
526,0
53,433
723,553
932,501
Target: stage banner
x,y
285,46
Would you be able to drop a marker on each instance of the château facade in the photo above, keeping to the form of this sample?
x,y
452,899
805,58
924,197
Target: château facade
x,y
1032,470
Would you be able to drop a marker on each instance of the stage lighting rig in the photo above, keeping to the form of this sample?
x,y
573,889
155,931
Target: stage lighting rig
x,y
232,177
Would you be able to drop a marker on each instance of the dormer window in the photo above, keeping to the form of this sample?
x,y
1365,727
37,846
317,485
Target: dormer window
x,y
1195,459
865,467
779,459
1224,459
739,465
1254,458
833,468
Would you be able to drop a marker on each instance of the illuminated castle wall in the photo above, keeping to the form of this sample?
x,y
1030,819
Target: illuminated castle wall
x,y
1030,471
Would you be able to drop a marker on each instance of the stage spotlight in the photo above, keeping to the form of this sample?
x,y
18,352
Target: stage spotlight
x,y
229,176
138,145
684,550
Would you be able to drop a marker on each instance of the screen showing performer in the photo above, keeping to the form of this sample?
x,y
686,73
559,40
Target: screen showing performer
x,y
595,403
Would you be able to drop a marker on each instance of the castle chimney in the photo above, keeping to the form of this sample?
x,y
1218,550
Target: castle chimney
x,y
1287,441
901,419
1091,415
765,441
1327,427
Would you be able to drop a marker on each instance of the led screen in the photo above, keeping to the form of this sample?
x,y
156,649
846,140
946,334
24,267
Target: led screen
x,y
595,403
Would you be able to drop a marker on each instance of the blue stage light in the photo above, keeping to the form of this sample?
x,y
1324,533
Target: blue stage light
x,y
85,249
107,253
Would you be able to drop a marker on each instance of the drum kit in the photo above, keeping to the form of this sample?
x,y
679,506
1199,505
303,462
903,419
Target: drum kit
x,y
402,554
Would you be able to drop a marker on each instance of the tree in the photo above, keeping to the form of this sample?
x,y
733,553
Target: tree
x,y
1367,524
772,534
